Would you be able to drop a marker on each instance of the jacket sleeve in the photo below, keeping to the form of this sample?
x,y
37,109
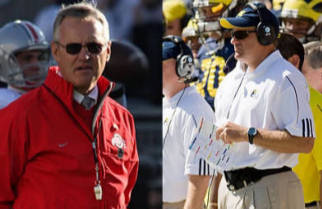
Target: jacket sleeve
x,y
13,154
133,166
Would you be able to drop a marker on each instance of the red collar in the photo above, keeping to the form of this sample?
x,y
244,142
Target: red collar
x,y
64,89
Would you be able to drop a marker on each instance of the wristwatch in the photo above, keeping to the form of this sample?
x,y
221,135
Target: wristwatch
x,y
252,132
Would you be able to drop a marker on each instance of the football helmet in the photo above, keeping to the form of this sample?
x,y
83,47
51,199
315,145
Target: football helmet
x,y
305,12
189,30
210,10
207,12
278,4
16,38
191,37
302,9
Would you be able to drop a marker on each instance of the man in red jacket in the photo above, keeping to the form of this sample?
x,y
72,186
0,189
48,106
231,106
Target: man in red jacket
x,y
67,144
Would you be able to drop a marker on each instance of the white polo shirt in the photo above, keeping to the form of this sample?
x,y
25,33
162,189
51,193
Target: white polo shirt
x,y
181,114
275,97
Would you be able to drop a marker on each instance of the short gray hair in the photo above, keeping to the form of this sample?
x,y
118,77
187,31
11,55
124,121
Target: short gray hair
x,y
80,10
313,54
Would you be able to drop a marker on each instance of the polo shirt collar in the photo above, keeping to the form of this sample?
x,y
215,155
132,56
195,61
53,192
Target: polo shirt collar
x,y
264,66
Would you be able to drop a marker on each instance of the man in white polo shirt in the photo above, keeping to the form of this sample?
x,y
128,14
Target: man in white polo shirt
x,y
262,110
185,180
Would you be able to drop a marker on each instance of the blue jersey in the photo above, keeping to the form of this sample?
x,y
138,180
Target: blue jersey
x,y
212,58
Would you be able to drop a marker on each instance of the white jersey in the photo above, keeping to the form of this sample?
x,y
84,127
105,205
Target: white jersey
x,y
8,95
181,115
274,97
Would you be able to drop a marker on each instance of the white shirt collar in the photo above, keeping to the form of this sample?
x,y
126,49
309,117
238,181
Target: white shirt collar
x,y
78,97
264,65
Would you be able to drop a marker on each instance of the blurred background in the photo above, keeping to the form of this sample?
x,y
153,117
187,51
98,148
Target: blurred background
x,y
136,30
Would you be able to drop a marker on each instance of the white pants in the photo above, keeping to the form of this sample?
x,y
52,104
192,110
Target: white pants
x,y
277,191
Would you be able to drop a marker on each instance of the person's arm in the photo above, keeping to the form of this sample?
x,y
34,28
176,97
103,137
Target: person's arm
x,y
197,187
213,192
132,166
13,155
276,140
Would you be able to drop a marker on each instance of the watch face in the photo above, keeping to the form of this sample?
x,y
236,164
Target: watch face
x,y
252,131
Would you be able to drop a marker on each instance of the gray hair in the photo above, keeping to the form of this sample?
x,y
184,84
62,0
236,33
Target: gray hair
x,y
313,54
80,10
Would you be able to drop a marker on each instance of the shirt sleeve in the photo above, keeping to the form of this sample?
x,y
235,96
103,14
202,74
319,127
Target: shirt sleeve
x,y
291,108
195,165
13,155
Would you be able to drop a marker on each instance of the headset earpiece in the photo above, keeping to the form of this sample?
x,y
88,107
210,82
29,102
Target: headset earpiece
x,y
185,66
184,61
265,34
265,31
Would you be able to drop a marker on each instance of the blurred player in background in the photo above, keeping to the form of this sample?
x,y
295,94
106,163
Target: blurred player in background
x,y
24,58
175,16
277,7
303,19
192,38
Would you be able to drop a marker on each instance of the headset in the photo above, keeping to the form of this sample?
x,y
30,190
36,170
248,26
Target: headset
x,y
184,61
266,32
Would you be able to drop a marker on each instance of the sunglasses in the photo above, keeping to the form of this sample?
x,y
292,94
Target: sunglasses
x,y
241,34
75,48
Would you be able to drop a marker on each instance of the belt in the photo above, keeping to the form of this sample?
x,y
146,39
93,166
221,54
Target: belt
x,y
237,179
311,204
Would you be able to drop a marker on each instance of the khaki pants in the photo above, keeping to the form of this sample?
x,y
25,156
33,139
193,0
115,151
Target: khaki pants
x,y
277,191
173,205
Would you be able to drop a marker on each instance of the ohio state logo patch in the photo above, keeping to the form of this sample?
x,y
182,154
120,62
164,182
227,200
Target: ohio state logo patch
x,y
118,141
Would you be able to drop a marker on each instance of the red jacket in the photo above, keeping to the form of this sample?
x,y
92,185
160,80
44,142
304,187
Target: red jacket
x,y
46,155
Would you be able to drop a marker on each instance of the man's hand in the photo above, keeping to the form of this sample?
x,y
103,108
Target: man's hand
x,y
232,132
276,140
